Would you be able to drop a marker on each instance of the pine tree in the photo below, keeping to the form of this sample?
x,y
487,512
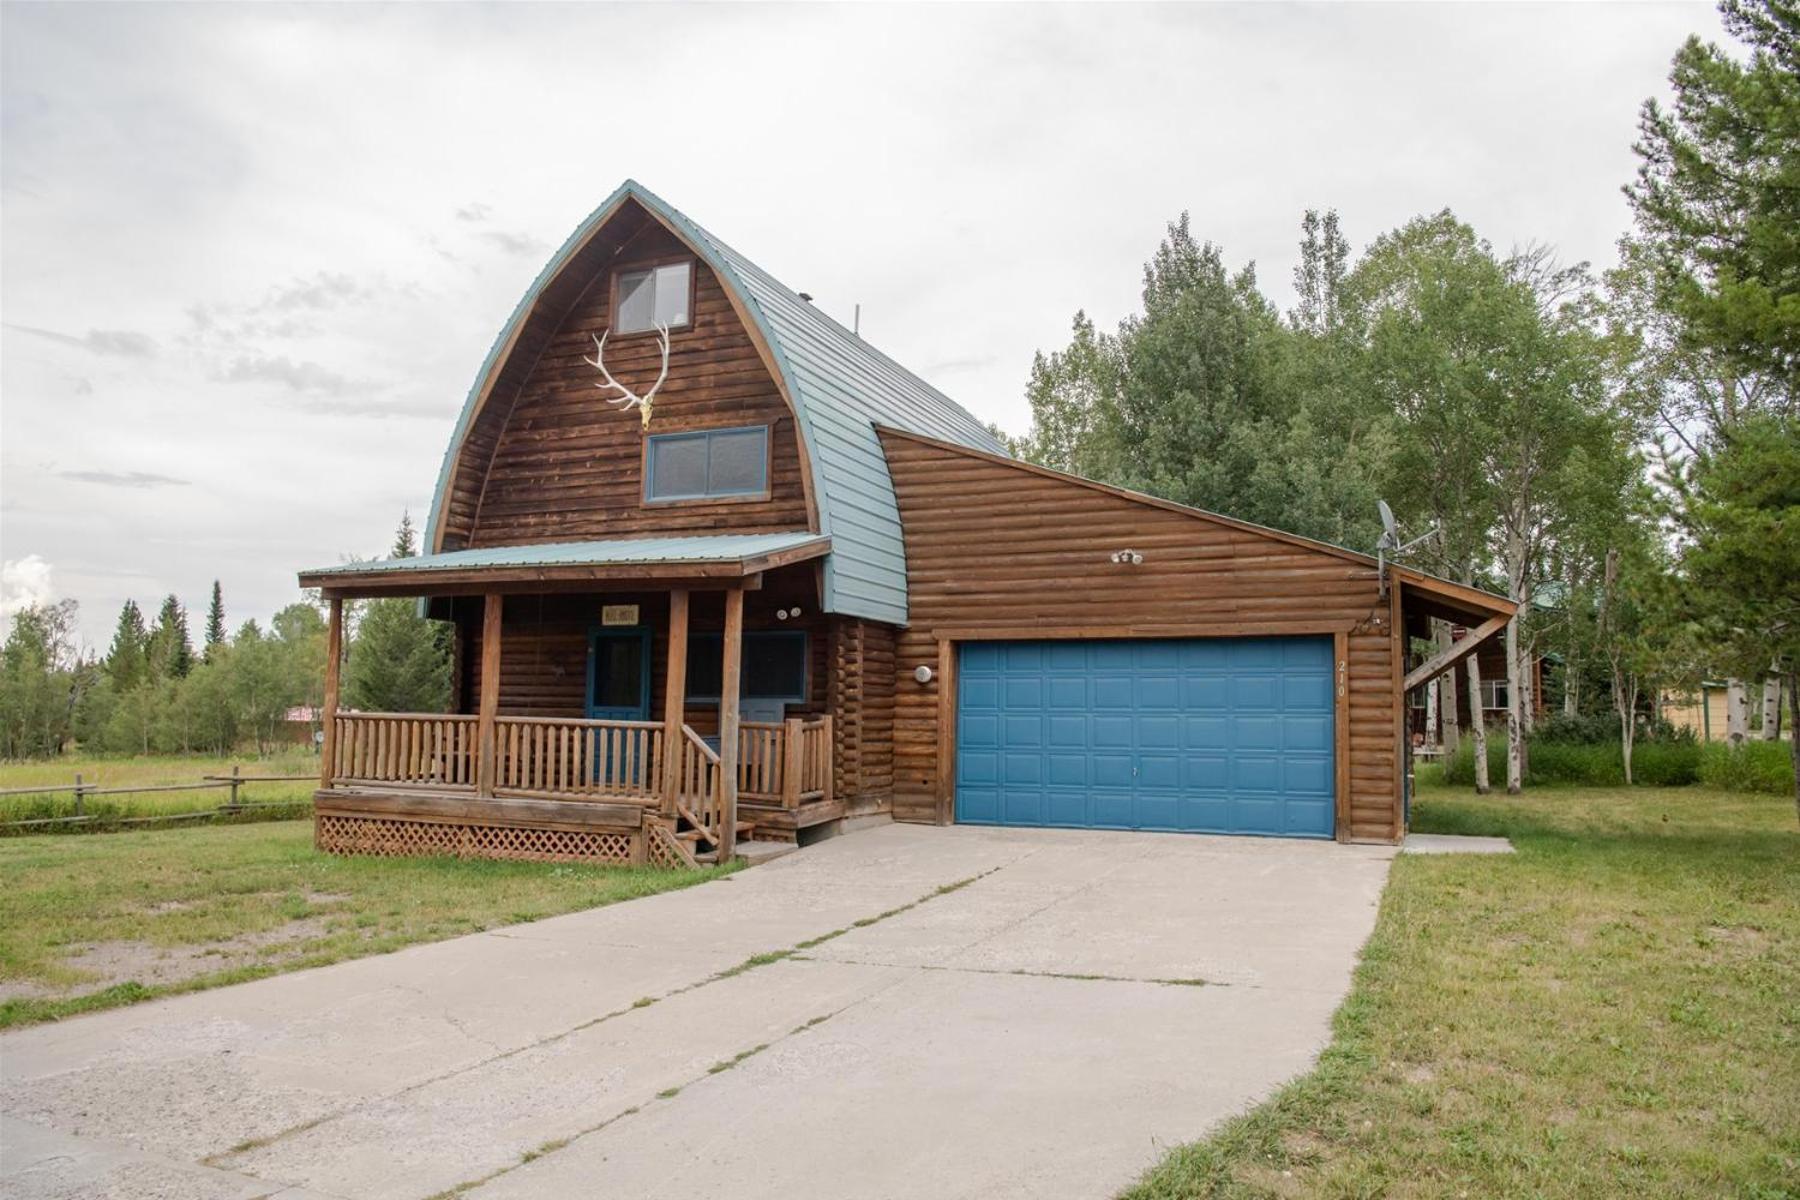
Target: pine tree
x,y
399,661
125,666
1716,204
215,622
169,652
406,542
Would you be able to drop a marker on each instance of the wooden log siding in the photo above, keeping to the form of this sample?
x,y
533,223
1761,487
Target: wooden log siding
x,y
861,701
547,459
999,550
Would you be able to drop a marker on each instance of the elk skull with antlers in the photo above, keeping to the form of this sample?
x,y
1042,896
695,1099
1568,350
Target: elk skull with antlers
x,y
629,399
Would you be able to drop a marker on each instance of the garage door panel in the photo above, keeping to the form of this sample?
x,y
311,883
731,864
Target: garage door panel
x,y
1066,770
1021,730
1112,732
1111,808
1110,770
979,731
1067,808
1159,771
1304,735
1113,692
1219,735
1023,656
978,767
1021,770
977,805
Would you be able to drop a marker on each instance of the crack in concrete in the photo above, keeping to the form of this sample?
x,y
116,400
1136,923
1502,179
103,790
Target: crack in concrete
x,y
1079,976
751,963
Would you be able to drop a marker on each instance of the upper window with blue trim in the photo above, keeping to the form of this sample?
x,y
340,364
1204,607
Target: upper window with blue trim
x,y
707,464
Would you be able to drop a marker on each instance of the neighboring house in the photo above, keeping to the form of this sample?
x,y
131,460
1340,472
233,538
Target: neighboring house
x,y
799,541
1703,709
1494,690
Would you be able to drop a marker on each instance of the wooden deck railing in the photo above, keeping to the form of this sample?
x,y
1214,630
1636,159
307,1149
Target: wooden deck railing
x,y
787,764
698,787
570,757
437,749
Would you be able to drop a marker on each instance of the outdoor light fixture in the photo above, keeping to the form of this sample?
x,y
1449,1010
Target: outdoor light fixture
x,y
923,674
1127,556
781,614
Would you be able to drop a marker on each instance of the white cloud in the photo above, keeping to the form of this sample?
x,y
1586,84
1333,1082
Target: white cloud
x,y
23,583
241,249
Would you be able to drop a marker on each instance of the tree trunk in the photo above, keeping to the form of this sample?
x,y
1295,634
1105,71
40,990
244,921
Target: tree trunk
x,y
1793,692
1737,713
1771,708
1452,720
1515,699
1477,729
1625,701
1431,714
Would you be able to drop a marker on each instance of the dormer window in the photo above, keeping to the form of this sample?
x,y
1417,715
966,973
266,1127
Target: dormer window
x,y
646,297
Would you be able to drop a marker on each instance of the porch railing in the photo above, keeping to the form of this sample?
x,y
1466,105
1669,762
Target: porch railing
x,y
575,757
404,748
787,764
698,784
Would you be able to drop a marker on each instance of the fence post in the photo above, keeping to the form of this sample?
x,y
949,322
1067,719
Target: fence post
x,y
79,806
235,769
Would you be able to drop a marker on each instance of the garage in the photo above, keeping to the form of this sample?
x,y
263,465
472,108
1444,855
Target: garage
x,y
1198,735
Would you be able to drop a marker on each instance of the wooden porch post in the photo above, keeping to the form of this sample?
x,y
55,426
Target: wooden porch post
x,y
791,763
728,722
675,699
489,711
334,657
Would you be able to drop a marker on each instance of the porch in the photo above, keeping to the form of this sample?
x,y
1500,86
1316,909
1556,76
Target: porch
x,y
595,717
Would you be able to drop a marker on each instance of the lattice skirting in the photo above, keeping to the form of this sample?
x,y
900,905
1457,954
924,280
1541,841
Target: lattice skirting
x,y
665,849
389,838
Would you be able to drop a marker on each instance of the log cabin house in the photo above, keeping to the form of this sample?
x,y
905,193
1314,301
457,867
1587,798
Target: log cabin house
x,y
798,583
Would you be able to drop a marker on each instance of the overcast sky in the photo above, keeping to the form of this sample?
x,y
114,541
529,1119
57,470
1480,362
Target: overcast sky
x,y
253,255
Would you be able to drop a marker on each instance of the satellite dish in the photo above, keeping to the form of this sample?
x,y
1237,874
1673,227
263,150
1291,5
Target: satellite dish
x,y
1390,532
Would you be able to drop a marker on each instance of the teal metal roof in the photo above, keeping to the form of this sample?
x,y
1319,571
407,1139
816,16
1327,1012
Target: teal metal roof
x,y
841,388
723,547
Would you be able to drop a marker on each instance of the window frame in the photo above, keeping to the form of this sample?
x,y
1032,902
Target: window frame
x,y
621,270
647,461
716,640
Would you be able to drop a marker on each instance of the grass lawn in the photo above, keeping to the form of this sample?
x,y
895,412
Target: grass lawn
x,y
1613,1011
148,771
93,922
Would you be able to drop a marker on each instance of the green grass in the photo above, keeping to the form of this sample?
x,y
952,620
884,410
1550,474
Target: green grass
x,y
1614,1011
235,902
143,771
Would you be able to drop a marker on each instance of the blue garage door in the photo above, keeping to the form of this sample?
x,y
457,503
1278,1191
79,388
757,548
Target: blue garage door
x,y
1204,735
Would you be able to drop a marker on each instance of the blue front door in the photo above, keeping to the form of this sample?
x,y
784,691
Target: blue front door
x,y
1202,735
618,674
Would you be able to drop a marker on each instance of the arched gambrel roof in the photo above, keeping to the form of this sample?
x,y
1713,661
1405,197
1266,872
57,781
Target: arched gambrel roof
x,y
840,388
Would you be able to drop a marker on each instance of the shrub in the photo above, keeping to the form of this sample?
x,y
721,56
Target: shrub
x,y
1753,767
1673,762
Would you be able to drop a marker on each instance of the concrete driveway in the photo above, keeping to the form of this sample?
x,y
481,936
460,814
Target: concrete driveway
x,y
991,1013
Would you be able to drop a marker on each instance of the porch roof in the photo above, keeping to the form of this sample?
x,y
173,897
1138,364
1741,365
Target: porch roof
x,y
724,557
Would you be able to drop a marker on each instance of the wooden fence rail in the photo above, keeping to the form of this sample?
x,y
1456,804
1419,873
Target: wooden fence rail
x,y
83,791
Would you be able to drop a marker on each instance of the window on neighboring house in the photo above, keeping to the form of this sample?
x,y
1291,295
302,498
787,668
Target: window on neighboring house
x,y
707,463
773,668
1493,693
652,296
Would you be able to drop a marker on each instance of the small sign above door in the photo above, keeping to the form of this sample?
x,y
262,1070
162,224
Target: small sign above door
x,y
618,614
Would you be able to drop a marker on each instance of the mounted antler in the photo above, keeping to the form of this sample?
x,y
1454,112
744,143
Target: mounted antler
x,y
630,399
